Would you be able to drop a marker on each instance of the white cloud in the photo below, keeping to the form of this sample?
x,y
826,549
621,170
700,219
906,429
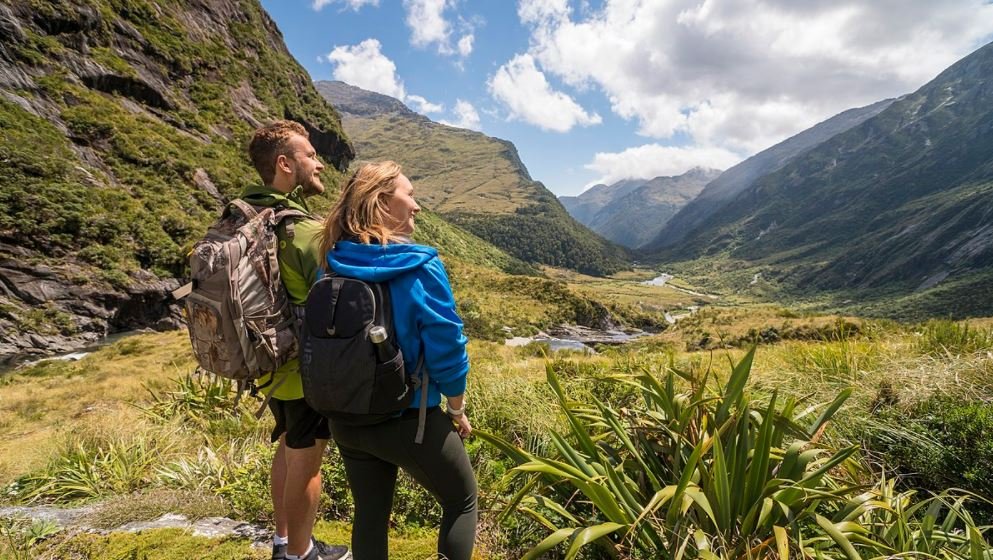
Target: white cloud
x,y
363,65
466,116
653,160
542,11
356,5
522,87
429,26
745,74
424,106
465,45
427,23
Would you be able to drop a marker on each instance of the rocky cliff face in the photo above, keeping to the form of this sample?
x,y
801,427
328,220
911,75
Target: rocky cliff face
x,y
124,131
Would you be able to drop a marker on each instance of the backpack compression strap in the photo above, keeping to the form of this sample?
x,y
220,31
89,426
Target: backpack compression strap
x,y
422,413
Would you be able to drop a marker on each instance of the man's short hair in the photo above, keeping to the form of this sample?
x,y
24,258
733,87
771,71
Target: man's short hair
x,y
268,143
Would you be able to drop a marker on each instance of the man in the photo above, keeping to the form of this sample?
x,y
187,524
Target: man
x,y
287,163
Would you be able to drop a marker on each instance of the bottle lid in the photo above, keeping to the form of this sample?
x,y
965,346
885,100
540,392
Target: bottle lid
x,y
377,335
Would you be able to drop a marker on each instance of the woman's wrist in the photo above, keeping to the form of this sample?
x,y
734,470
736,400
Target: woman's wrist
x,y
456,406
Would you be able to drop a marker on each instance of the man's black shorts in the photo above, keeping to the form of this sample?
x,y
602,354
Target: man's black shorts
x,y
301,423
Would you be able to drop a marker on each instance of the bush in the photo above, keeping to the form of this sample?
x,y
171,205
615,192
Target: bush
x,y
961,450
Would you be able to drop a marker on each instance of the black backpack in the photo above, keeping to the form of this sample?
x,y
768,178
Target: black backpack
x,y
346,378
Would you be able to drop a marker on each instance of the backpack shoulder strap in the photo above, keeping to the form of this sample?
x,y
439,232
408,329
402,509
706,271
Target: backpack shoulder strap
x,y
290,213
246,209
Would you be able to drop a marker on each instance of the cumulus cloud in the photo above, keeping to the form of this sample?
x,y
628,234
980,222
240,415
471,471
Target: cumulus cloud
x,y
365,66
526,93
427,23
356,5
466,116
654,160
424,106
746,74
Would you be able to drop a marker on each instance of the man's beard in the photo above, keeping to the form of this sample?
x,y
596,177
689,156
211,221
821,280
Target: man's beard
x,y
311,184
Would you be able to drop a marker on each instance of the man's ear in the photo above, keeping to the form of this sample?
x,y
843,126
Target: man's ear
x,y
283,163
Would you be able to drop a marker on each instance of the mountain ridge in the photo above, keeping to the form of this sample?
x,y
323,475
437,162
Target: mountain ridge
x,y
473,180
632,212
899,202
739,177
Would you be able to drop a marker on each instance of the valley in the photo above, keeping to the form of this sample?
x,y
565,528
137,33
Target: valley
x,y
790,357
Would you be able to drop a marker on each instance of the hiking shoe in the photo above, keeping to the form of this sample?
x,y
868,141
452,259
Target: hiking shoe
x,y
325,551
279,552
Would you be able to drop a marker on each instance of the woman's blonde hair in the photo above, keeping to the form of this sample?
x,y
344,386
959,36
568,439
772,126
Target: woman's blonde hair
x,y
362,211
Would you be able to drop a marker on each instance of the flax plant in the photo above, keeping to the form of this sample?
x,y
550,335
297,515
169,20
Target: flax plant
x,y
699,469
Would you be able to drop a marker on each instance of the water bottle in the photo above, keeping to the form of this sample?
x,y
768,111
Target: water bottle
x,y
384,347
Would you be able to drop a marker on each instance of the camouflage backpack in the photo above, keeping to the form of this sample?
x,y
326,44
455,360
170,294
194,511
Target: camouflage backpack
x,y
238,313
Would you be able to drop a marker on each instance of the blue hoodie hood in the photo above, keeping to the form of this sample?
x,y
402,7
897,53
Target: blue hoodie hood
x,y
378,263
424,315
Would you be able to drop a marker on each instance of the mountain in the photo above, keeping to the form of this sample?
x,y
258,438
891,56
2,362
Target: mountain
x,y
738,178
124,129
585,206
901,202
472,180
633,212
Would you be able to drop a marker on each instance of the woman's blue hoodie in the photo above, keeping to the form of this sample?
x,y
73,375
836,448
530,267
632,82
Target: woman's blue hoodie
x,y
423,308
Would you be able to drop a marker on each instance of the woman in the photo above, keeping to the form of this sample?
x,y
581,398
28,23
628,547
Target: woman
x,y
367,236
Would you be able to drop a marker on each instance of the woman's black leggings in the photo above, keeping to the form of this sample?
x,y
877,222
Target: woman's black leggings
x,y
440,464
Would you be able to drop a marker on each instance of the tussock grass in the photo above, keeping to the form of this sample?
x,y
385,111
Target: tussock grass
x,y
943,338
95,394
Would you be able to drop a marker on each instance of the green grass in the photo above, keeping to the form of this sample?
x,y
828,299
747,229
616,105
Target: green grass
x,y
127,425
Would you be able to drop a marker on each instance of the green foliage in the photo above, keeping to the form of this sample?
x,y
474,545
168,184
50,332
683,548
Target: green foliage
x,y
454,242
716,475
104,180
960,450
89,467
546,234
943,338
199,399
17,536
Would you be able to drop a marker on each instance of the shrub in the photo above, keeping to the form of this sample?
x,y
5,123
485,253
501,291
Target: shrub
x,y
961,449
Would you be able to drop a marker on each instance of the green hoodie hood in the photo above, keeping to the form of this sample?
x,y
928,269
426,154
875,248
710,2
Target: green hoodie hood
x,y
261,195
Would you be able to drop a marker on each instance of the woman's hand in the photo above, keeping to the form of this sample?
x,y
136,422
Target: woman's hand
x,y
462,425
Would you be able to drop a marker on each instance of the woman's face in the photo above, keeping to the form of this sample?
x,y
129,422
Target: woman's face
x,y
402,206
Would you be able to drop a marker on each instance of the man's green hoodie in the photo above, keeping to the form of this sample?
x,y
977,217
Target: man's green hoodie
x,y
299,260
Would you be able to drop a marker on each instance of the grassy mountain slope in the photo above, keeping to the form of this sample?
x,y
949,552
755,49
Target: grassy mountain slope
x,y
472,180
897,204
124,129
738,178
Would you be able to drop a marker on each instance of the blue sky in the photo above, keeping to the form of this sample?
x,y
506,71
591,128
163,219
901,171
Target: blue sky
x,y
598,91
